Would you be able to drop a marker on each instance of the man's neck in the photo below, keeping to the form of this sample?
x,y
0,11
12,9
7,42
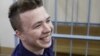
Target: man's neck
x,y
34,49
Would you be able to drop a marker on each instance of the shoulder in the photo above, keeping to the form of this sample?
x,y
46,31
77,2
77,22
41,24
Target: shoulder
x,y
17,51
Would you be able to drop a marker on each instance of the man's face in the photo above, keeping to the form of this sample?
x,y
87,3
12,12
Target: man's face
x,y
37,28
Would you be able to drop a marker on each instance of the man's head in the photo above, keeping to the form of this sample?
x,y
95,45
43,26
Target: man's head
x,y
31,23
19,7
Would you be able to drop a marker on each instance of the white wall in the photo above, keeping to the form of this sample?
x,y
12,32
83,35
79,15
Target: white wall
x,y
6,32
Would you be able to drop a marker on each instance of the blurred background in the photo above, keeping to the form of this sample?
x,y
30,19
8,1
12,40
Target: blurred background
x,y
76,23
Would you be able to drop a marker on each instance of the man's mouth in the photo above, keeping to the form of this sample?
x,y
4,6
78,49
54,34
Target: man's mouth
x,y
46,38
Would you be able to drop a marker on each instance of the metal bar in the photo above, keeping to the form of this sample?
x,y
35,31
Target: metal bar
x,y
77,6
55,19
82,37
55,49
88,17
66,10
88,26
71,46
71,41
86,50
72,17
55,15
78,23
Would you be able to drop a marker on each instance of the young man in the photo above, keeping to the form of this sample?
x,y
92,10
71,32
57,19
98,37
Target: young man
x,y
32,25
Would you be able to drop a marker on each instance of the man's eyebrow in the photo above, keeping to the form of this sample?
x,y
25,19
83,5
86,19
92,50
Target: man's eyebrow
x,y
41,21
37,23
48,18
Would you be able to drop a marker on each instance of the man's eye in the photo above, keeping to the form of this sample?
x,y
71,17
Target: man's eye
x,y
37,26
48,20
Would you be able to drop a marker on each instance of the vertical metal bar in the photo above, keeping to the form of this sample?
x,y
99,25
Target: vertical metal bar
x,y
55,15
65,10
71,41
72,23
55,47
88,17
75,10
71,46
87,46
77,1
55,23
88,26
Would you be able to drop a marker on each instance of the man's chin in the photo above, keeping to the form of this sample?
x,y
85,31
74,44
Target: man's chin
x,y
47,45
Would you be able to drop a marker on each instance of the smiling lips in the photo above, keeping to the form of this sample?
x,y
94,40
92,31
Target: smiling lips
x,y
46,39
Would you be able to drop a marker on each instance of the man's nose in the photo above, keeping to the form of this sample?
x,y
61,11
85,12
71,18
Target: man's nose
x,y
46,28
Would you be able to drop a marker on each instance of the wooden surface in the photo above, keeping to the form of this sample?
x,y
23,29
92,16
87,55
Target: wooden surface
x,y
79,46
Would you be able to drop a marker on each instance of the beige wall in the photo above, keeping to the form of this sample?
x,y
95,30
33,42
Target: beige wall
x,y
82,10
95,16
6,37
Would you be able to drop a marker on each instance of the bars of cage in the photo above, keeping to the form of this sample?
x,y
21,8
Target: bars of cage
x,y
88,26
74,19
55,23
74,13
76,10
55,15
75,37
88,17
73,16
66,10
72,24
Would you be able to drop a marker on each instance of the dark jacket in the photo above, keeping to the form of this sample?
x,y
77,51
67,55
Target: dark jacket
x,y
21,51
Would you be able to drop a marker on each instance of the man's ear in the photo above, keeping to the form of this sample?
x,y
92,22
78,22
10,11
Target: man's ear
x,y
20,35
